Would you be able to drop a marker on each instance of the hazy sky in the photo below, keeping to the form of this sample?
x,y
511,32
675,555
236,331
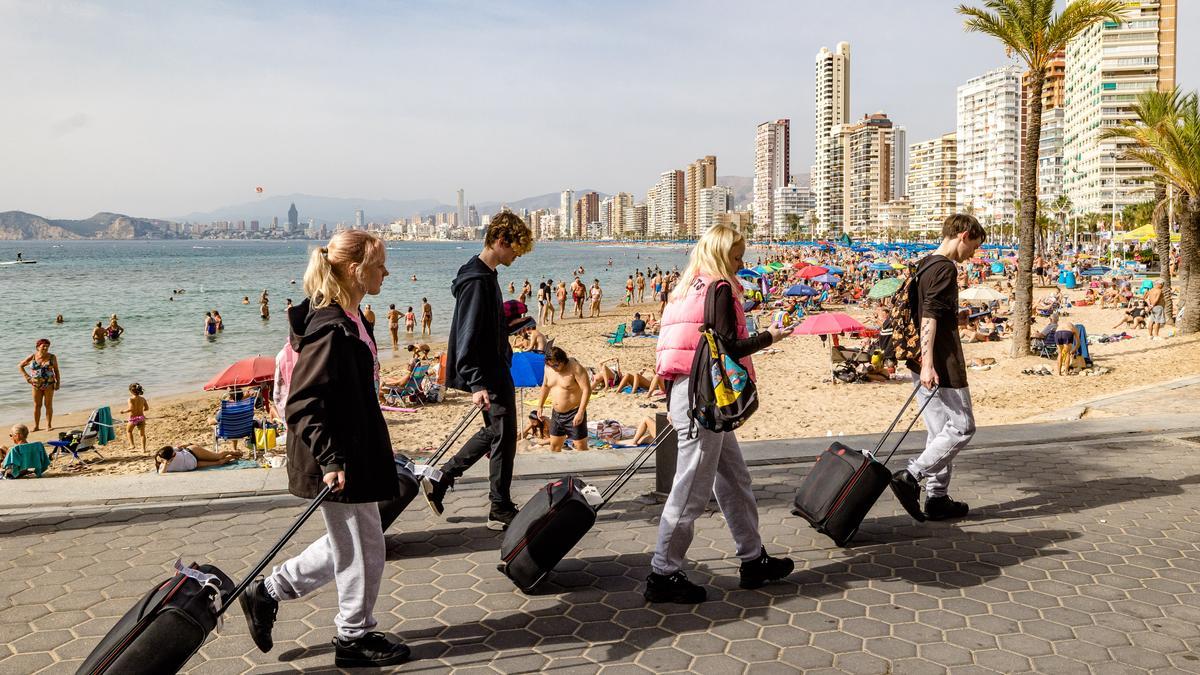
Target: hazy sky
x,y
163,108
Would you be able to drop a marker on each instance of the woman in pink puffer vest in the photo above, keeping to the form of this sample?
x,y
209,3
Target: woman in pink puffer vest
x,y
708,461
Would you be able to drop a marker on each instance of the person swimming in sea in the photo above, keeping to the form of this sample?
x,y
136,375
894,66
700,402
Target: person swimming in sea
x,y
114,329
99,334
210,325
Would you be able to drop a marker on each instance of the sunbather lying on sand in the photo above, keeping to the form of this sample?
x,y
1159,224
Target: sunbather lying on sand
x,y
189,457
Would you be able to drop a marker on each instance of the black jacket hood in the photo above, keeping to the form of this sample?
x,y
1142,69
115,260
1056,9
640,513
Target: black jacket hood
x,y
473,270
305,323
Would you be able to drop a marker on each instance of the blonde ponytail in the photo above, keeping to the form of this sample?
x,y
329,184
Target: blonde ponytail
x,y
328,279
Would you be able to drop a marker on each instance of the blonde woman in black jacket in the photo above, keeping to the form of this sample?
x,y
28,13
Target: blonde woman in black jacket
x,y
337,437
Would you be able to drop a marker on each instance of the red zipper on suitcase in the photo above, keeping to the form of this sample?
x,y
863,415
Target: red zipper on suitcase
x,y
849,486
532,533
139,626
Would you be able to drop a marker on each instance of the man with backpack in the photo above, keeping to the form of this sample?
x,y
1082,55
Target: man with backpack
x,y
940,373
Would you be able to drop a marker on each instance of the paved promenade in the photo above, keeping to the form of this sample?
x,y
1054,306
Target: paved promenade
x,y
1079,556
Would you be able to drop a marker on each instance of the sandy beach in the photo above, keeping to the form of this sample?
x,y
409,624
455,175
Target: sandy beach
x,y
797,396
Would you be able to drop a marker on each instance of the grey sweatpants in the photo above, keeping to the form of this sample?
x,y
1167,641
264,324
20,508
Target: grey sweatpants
x,y
352,554
709,462
950,424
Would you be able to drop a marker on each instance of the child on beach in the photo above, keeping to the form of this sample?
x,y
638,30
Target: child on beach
x,y
137,414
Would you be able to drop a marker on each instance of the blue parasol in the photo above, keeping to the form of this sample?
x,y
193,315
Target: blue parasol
x,y
800,290
826,279
749,273
528,369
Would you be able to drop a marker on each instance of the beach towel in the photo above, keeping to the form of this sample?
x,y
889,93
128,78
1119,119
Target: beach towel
x,y
25,457
104,426
240,464
1081,344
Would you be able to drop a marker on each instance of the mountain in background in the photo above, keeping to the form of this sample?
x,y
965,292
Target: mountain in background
x,y
21,225
321,209
550,200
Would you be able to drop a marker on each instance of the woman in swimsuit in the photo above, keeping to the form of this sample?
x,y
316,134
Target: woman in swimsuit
x,y
188,457
603,376
210,324
45,378
137,414
114,329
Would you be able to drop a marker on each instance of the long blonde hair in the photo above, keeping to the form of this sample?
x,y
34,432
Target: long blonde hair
x,y
328,278
710,257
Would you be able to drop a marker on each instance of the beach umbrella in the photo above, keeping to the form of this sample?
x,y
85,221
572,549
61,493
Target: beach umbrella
x,y
747,285
1097,271
812,271
885,288
981,294
528,369
800,290
834,269
776,266
898,266
829,323
825,279
247,372
749,274
880,267
763,269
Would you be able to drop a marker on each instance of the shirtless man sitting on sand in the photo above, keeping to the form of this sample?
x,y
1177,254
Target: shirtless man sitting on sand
x,y
570,388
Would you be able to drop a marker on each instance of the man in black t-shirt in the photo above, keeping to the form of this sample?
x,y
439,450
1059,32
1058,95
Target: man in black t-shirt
x,y
940,374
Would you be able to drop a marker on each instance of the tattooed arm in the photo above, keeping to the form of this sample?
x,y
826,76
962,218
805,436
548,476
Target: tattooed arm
x,y
929,376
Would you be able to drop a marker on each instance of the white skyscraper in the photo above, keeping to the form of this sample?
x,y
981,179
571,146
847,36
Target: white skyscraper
x,y
359,219
566,203
772,151
792,204
666,204
1107,65
989,133
712,201
831,110
462,209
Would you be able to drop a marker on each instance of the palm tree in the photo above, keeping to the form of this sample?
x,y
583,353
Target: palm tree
x,y
1173,151
1033,32
1158,113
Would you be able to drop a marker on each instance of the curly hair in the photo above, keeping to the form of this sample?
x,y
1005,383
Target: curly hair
x,y
510,229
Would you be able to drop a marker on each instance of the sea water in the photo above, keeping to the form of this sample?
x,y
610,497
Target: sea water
x,y
164,347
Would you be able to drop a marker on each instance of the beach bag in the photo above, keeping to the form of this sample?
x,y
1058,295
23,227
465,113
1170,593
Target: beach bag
x,y
721,395
264,439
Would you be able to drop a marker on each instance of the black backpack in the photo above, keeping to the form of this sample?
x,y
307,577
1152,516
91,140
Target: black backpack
x,y
721,395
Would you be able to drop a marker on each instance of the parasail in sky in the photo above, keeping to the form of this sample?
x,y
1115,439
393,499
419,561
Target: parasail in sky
x,y
259,189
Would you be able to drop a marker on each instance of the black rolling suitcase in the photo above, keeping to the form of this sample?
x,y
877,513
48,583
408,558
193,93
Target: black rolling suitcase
x,y
167,626
554,520
845,483
170,623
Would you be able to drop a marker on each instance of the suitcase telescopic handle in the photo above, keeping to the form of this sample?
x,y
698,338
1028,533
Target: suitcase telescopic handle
x,y
454,435
262,564
633,467
883,439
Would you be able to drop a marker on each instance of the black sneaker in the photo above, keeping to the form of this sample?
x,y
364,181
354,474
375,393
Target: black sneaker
x,y
500,520
944,508
435,492
673,588
908,491
763,569
260,610
370,650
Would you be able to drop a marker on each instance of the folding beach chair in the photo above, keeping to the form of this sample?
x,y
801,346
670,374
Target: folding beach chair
x,y
413,391
617,338
78,442
235,420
